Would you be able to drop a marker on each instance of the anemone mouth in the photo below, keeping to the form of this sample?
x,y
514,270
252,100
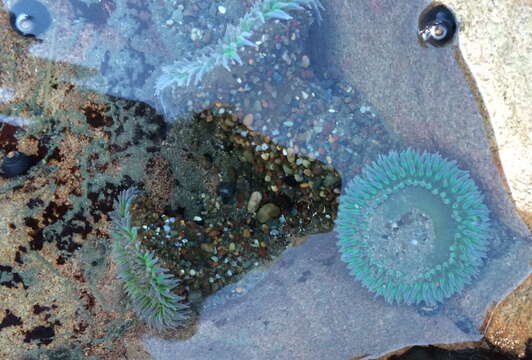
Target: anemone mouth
x,y
413,227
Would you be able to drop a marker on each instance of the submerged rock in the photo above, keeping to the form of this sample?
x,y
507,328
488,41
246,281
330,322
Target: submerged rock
x,y
267,212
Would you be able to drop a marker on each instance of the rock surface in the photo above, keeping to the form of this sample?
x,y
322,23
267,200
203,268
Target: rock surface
x,y
509,324
488,124
421,92
496,41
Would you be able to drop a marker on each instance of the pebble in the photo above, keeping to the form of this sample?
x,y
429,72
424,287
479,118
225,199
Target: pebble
x,y
196,34
248,156
254,201
291,157
209,248
287,170
267,212
288,123
248,120
305,61
222,9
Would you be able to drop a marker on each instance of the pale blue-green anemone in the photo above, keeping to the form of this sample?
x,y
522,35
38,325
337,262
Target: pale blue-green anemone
x,y
149,286
413,227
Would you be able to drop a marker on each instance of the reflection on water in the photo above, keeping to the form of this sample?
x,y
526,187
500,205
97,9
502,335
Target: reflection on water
x,y
249,158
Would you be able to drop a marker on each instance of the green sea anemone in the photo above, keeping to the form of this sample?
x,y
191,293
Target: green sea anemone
x,y
149,286
225,52
413,227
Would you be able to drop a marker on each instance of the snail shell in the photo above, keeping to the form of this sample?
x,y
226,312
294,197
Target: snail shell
x,y
437,26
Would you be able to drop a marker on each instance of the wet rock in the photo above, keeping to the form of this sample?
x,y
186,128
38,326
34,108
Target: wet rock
x,y
509,324
195,297
267,212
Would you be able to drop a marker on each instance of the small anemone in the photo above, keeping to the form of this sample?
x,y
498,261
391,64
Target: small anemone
x,y
413,227
149,286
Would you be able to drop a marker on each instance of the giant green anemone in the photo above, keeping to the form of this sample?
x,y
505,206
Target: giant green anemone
x,y
413,227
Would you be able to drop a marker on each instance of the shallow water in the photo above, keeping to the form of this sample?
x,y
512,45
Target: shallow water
x,y
97,96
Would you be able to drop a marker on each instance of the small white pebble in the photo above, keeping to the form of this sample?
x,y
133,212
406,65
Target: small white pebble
x,y
221,9
365,109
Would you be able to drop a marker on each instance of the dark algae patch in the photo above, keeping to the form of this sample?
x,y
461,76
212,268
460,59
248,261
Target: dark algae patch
x,y
10,320
9,278
41,335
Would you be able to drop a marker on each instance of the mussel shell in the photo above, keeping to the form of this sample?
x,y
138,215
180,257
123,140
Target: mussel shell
x,y
15,164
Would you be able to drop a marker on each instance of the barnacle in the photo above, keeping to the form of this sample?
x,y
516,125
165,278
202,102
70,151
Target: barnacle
x,y
413,227
148,286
